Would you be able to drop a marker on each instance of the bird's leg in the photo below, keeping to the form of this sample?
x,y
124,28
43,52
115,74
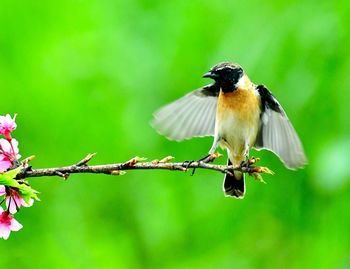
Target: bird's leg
x,y
212,150
246,162
207,158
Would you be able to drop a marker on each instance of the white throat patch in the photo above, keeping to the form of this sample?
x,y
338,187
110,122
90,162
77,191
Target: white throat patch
x,y
241,82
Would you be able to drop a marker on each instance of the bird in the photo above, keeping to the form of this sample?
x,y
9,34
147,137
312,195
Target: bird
x,y
239,115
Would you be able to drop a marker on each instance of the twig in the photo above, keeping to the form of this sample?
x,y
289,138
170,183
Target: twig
x,y
138,164
86,159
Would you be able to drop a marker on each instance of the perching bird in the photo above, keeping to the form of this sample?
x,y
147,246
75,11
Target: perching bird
x,y
239,114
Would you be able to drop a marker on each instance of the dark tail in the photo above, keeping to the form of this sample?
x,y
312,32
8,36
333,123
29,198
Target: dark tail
x,y
234,185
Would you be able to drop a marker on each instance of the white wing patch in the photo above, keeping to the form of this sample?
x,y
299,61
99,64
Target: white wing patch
x,y
190,116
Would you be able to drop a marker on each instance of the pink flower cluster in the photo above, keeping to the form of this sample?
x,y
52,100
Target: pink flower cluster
x,y
8,224
9,155
9,146
7,125
13,199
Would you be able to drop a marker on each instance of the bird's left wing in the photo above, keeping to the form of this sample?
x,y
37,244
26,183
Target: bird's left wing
x,y
277,133
190,116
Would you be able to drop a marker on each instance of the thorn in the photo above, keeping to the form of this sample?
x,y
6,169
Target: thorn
x,y
86,159
118,173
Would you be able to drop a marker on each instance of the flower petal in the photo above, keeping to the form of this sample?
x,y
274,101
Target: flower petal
x,y
5,145
14,143
4,231
4,165
15,225
2,190
30,203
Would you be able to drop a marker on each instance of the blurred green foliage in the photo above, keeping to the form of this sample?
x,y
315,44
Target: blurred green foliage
x,y
85,76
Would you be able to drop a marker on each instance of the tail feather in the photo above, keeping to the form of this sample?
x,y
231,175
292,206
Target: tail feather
x,y
234,185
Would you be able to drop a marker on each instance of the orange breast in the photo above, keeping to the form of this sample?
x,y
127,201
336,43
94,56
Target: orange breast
x,y
245,105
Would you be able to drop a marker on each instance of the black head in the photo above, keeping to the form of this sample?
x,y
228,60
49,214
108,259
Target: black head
x,y
225,74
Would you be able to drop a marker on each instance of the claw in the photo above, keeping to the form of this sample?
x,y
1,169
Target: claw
x,y
244,164
248,162
193,171
186,164
207,159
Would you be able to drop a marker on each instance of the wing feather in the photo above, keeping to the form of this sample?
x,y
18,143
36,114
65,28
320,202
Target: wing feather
x,y
277,134
190,116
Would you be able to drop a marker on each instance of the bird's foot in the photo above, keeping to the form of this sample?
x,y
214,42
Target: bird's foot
x,y
248,162
207,159
187,164
210,157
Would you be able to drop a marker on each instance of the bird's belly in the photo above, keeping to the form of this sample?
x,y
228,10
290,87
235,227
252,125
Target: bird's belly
x,y
237,124
235,133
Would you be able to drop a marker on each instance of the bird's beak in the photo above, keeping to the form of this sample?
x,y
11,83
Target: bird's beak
x,y
210,75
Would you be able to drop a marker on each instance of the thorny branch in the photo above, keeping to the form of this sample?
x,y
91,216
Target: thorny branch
x,y
138,163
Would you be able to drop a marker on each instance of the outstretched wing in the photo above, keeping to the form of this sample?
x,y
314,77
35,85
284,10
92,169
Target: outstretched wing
x,y
277,133
192,115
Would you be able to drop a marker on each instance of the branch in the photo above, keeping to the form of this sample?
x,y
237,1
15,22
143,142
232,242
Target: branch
x,y
138,164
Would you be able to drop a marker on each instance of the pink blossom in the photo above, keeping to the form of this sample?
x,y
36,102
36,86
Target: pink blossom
x,y
7,125
13,199
8,153
2,190
4,163
8,224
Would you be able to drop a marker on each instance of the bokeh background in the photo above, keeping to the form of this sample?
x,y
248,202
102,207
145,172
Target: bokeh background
x,y
86,76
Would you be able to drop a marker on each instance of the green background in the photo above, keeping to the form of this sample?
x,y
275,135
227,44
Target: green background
x,y
86,76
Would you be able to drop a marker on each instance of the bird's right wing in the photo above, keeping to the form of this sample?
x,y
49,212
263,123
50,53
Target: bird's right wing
x,y
190,116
